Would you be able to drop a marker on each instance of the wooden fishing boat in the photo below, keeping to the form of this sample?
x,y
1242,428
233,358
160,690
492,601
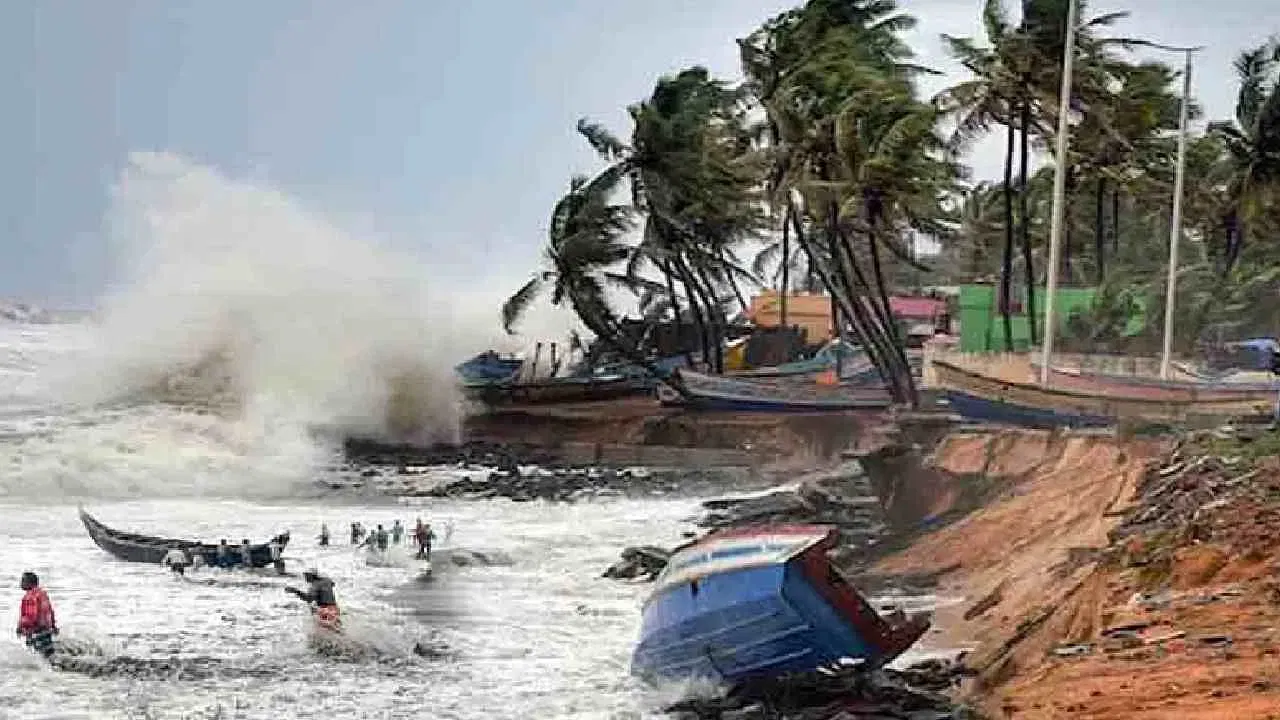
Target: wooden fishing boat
x,y
761,602
1157,389
138,548
985,398
489,367
555,390
711,392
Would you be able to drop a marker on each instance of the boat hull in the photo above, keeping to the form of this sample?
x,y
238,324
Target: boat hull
x,y
745,618
709,392
552,391
1083,408
980,409
133,547
1156,389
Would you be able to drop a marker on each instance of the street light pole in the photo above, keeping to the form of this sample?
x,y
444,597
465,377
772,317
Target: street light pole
x,y
1059,190
1175,227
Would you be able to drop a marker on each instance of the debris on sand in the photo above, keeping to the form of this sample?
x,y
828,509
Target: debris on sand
x,y
842,496
847,693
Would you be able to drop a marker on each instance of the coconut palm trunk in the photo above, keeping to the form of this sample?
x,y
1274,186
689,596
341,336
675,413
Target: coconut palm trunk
x,y
1006,265
1024,216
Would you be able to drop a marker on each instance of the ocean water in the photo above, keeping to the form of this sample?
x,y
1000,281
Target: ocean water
x,y
543,636
237,325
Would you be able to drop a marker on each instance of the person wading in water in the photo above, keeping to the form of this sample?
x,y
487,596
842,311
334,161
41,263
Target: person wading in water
x,y
320,595
177,560
36,623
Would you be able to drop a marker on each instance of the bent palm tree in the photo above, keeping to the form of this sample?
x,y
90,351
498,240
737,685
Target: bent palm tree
x,y
584,243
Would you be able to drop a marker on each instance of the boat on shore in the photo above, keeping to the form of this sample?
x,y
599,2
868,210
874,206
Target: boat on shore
x,y
489,367
713,392
588,388
761,602
134,547
1158,389
987,399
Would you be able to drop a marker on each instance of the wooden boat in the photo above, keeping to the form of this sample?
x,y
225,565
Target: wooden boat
x,y
980,397
150,549
711,392
825,359
489,367
982,409
761,602
1157,389
555,390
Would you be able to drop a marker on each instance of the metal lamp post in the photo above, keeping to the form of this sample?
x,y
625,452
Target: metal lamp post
x,y
1175,226
1059,190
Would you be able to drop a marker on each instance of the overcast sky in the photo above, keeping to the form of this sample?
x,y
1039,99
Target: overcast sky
x,y
447,125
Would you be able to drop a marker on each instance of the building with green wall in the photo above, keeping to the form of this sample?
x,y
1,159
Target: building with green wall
x,y
982,326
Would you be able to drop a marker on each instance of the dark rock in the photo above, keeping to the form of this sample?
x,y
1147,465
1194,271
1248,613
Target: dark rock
x,y
643,562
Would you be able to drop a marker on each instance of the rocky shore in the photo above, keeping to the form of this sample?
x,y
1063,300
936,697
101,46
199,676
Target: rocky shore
x,y
840,694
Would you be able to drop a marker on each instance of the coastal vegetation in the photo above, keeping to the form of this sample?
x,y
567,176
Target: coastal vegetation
x,y
827,168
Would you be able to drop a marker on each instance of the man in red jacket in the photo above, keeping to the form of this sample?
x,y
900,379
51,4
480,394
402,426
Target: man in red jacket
x,y
36,623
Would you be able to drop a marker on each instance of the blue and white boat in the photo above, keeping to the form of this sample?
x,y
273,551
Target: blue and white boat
x,y
489,366
761,602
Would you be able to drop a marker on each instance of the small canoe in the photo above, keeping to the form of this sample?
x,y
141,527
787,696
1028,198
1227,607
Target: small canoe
x,y
134,547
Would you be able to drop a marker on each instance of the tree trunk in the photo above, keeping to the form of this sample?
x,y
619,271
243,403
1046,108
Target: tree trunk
x,y
786,267
1066,238
733,282
1006,266
716,313
1115,220
678,323
838,285
874,323
694,299
1099,229
898,346
1024,213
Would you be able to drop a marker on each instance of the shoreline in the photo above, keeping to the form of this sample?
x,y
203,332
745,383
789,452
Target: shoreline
x,y
1034,533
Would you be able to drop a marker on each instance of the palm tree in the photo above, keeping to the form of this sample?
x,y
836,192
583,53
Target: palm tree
x,y
584,245
973,255
836,84
1017,79
993,96
1253,146
694,183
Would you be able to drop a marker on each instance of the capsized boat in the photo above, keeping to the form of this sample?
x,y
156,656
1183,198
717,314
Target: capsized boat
x,y
150,549
760,602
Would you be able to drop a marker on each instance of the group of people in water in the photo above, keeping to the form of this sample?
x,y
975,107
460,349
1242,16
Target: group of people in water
x,y
37,625
178,559
380,538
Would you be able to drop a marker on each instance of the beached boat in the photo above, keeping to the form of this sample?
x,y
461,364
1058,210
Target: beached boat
x,y
1158,389
489,367
761,602
825,359
979,397
138,548
554,390
712,392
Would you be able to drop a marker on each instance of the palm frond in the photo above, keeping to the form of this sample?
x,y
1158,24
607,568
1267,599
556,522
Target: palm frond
x,y
516,305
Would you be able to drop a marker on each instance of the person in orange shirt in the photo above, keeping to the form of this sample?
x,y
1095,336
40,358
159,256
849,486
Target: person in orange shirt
x,y
36,622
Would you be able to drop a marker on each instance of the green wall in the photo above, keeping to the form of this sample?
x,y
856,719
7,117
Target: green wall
x,y
982,327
